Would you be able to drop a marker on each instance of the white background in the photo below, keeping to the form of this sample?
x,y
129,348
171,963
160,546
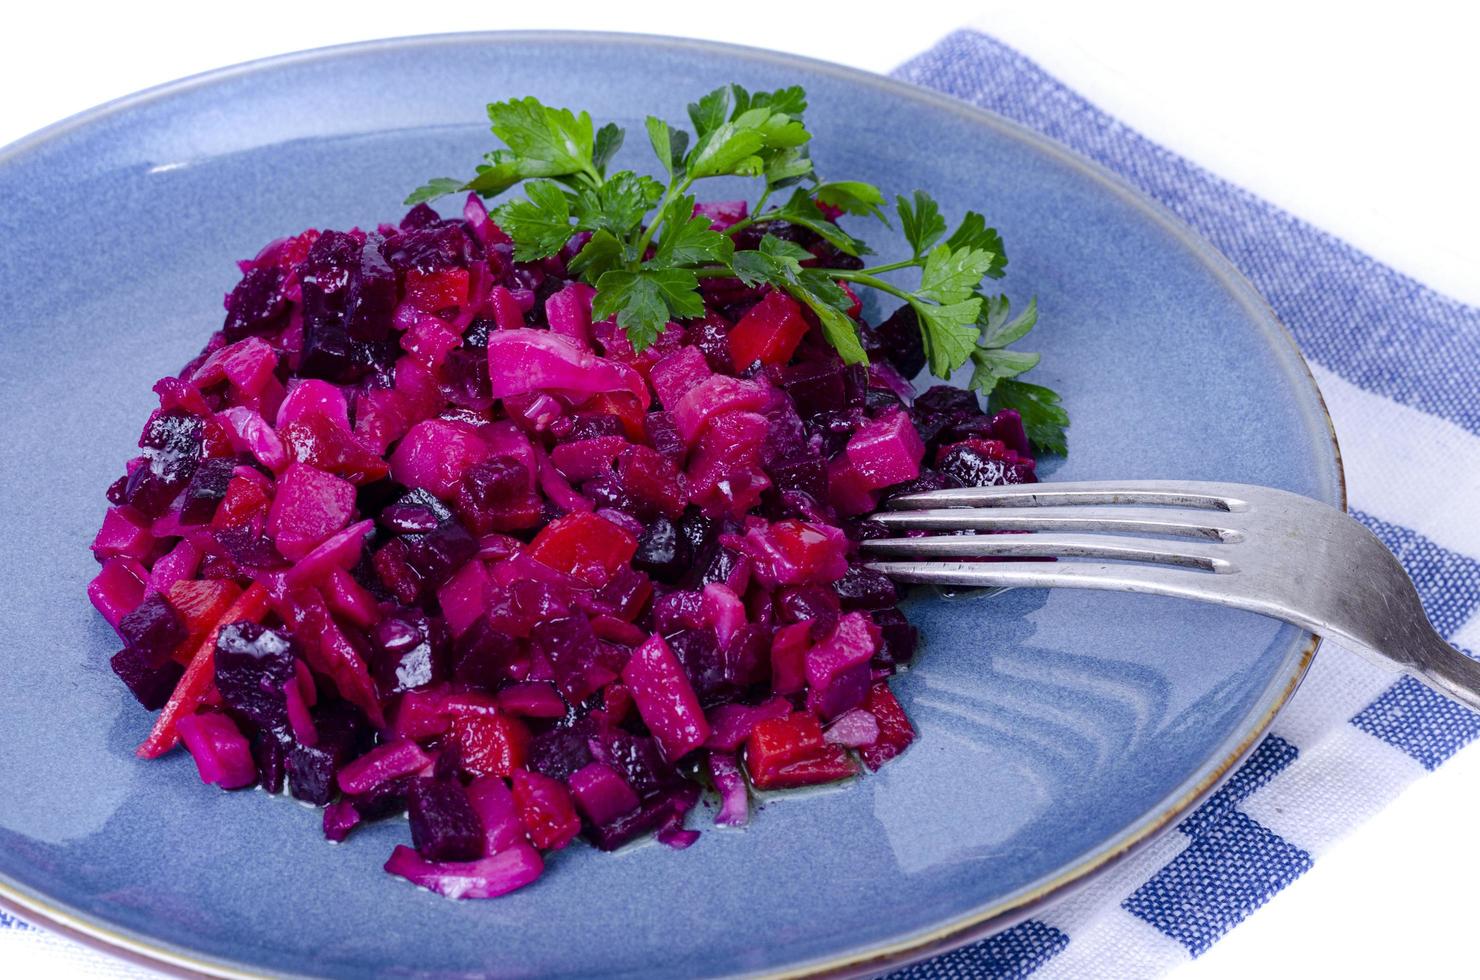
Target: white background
x,y
1359,118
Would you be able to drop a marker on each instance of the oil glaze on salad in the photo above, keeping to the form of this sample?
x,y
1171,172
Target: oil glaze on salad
x,y
542,524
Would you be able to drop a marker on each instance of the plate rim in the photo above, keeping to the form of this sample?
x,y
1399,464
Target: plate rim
x,y
961,930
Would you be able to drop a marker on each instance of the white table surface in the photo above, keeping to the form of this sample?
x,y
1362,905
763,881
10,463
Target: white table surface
x,y
1359,118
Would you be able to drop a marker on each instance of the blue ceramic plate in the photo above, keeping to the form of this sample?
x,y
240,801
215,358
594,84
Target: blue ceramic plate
x,y
1057,730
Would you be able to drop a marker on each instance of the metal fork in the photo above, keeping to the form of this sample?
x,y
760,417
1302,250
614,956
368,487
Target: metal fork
x,y
1249,547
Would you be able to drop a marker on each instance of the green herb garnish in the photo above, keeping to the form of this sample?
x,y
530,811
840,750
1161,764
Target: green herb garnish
x,y
647,250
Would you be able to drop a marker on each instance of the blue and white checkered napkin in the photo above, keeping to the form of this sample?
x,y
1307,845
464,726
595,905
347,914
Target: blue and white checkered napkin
x,y
1400,368
1391,357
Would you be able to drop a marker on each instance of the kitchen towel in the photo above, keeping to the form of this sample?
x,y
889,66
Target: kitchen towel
x,y
1392,357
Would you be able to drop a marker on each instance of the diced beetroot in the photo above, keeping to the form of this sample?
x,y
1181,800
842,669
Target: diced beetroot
x,y
348,599
532,699
382,764
125,534
444,826
463,597
491,746
309,507
794,552
722,611
847,489
769,332
732,724
222,754
250,433
340,818
886,451
521,361
895,731
677,374
546,810
584,545
118,588
601,793
569,313
436,454
494,803
651,479
665,699
725,475
339,552
313,423
852,642
585,459
714,396
789,648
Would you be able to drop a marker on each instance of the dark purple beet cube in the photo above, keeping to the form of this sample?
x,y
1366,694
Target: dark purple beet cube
x,y
574,652
372,295
864,588
661,551
153,630
255,303
312,769
747,657
900,342
559,752
483,655
815,386
254,664
409,651
807,474
206,490
637,758
444,826
270,753
662,433
699,653
975,468
899,638
151,683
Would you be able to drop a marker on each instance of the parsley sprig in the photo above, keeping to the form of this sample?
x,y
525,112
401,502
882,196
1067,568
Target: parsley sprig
x,y
647,250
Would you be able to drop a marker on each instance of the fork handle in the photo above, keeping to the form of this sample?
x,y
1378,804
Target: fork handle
x,y
1443,668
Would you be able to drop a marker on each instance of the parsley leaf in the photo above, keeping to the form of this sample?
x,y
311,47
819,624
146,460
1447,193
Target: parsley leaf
x,y
602,252
951,276
540,226
687,239
548,142
711,111
669,145
800,209
738,146
921,221
1044,417
791,100
974,233
608,141
997,329
618,205
853,196
777,261
433,189
644,301
992,365
949,333
838,327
